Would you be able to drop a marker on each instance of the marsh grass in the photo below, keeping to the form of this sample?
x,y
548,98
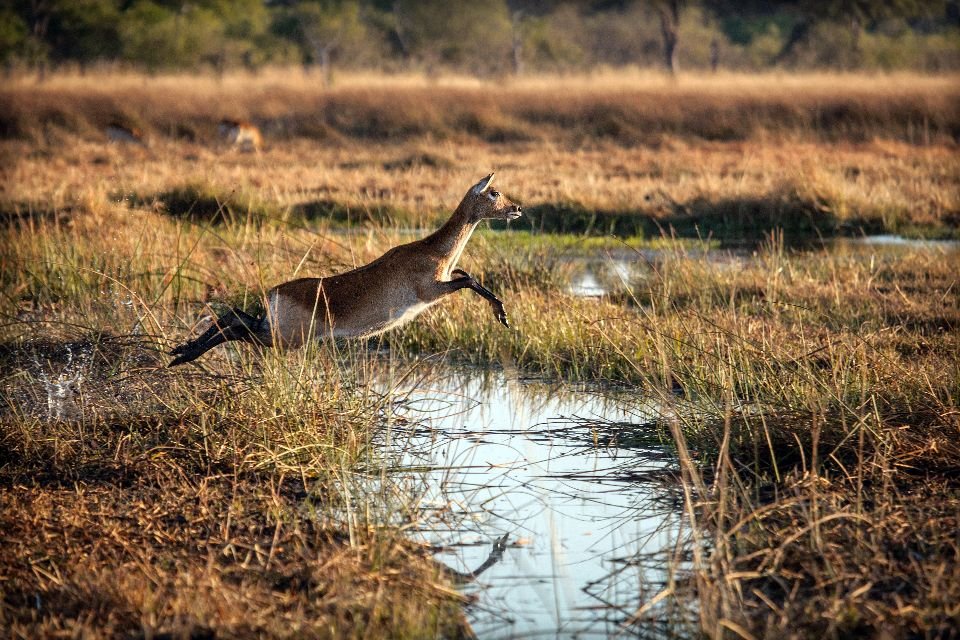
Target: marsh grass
x,y
202,203
813,400
811,395
824,415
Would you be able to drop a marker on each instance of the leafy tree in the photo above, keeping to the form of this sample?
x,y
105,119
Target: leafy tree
x,y
483,36
80,30
547,39
475,33
803,20
324,28
158,37
84,30
14,35
247,39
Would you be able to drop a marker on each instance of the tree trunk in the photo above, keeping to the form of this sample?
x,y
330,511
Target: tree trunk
x,y
799,33
326,70
220,64
517,43
40,24
321,56
669,24
855,31
398,30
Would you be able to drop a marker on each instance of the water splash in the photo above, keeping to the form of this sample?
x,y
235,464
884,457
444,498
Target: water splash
x,y
64,390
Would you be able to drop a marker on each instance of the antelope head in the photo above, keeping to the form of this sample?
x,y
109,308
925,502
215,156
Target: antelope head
x,y
484,202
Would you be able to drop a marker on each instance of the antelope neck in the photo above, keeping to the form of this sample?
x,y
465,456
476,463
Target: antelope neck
x,y
450,239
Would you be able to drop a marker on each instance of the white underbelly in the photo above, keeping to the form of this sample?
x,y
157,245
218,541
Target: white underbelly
x,y
406,314
381,321
292,324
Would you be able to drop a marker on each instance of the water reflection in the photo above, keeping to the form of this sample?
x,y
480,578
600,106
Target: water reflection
x,y
579,481
595,278
890,240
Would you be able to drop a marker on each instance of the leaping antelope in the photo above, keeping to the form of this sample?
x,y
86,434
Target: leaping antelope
x,y
240,133
389,292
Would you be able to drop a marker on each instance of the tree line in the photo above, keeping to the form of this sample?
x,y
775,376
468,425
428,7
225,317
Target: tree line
x,y
483,37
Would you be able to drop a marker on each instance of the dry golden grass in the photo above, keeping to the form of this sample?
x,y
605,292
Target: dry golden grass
x,y
178,502
628,108
145,551
732,190
819,391
728,155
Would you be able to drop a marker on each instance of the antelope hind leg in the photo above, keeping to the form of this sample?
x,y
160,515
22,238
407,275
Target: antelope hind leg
x,y
235,325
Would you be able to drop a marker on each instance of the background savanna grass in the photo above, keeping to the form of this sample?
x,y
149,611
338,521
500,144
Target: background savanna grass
x,y
816,389
730,155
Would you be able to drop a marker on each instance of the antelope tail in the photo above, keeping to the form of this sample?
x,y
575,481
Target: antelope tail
x,y
235,325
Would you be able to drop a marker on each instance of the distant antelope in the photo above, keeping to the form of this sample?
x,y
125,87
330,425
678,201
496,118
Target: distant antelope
x,y
117,132
239,133
388,292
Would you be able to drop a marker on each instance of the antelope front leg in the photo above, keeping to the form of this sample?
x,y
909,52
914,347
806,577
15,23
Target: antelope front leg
x,y
467,281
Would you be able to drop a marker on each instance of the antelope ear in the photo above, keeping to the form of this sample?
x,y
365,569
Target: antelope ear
x,y
481,186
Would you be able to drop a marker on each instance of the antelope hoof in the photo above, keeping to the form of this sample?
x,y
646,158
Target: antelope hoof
x,y
502,316
178,350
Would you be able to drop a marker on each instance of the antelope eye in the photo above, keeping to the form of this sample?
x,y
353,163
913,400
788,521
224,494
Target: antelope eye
x,y
495,194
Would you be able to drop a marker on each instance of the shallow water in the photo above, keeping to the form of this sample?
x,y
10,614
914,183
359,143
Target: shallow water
x,y
579,481
590,280
600,275
900,241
